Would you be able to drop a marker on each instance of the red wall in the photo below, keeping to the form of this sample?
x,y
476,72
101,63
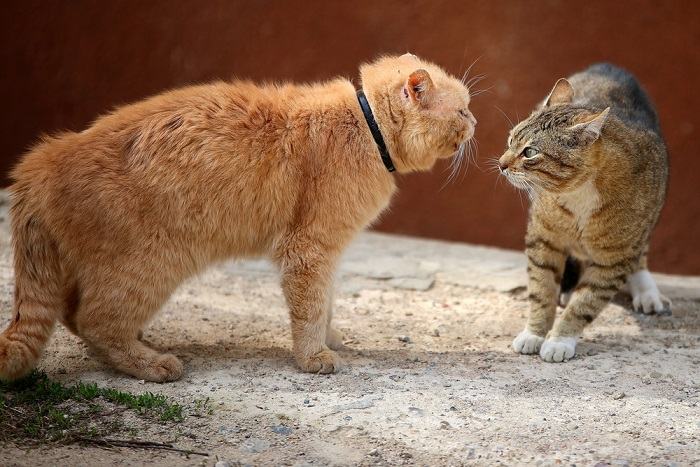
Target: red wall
x,y
63,63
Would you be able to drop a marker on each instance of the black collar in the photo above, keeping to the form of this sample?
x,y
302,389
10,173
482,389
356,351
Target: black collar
x,y
374,129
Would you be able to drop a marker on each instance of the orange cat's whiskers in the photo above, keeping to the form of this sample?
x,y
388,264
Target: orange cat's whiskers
x,y
458,160
465,76
474,80
474,150
481,91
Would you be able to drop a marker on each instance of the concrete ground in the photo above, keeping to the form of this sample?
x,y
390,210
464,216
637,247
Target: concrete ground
x,y
429,378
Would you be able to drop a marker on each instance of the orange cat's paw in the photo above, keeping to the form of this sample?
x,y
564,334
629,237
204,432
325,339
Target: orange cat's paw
x,y
324,362
334,339
165,368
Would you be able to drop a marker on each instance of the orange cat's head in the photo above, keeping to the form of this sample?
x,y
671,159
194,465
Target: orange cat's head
x,y
422,111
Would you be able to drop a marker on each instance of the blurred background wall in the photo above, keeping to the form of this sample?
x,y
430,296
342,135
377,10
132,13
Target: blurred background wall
x,y
65,62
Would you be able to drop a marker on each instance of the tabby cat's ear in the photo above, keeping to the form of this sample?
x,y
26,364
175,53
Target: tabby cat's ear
x,y
418,87
590,128
561,93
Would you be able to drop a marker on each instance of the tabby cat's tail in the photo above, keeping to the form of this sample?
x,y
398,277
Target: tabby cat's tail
x,y
38,296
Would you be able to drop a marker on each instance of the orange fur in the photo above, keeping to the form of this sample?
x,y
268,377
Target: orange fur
x,y
109,221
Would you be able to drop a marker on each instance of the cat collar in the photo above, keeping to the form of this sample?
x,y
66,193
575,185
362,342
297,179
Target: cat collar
x,y
374,129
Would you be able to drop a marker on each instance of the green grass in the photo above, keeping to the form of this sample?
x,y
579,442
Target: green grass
x,y
202,407
37,408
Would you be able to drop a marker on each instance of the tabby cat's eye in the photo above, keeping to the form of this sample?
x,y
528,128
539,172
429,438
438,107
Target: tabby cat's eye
x,y
530,152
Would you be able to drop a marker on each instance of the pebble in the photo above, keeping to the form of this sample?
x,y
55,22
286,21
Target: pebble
x,y
282,430
374,452
405,339
222,464
255,445
618,395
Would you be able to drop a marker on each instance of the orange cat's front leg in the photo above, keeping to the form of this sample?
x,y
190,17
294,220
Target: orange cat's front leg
x,y
307,279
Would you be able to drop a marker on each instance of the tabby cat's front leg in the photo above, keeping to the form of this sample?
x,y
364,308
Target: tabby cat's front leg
x,y
598,284
545,268
307,280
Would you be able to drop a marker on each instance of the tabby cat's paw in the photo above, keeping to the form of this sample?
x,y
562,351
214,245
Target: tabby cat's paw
x,y
651,301
564,298
558,349
324,362
645,294
527,342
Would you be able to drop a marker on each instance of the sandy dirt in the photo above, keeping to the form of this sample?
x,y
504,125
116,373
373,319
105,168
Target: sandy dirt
x,y
429,377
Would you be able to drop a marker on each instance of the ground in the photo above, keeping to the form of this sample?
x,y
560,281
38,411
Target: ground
x,y
429,376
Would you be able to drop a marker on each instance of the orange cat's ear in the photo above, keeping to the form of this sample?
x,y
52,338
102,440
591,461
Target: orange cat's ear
x,y
418,87
561,93
592,126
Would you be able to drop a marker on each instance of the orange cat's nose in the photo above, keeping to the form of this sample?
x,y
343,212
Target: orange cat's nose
x,y
471,118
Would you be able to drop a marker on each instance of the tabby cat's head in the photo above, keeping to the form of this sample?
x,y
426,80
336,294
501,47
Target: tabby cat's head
x,y
553,148
421,109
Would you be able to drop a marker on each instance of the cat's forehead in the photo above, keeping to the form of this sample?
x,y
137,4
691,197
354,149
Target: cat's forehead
x,y
544,122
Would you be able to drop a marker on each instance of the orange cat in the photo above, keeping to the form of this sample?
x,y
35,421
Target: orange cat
x,y
108,222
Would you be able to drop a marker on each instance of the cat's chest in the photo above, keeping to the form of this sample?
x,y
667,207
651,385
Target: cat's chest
x,y
580,204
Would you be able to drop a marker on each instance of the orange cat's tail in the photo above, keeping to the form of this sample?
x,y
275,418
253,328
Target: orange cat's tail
x,y
38,297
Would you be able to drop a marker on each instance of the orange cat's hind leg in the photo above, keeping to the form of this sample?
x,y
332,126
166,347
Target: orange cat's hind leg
x,y
111,327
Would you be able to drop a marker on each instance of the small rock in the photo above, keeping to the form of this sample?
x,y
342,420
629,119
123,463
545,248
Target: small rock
x,y
618,395
405,339
359,404
444,425
255,445
222,464
406,455
374,452
282,430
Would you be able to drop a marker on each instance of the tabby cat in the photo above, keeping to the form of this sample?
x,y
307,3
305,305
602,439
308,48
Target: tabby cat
x,y
106,223
594,163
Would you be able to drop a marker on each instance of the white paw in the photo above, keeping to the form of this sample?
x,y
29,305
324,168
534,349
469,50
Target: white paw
x,y
558,349
651,301
527,342
564,298
645,294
